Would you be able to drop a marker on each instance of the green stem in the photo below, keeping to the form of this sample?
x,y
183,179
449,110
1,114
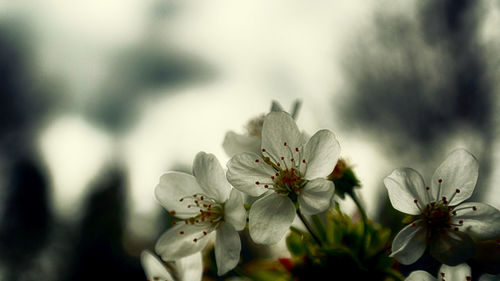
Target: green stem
x,y
394,275
309,227
365,222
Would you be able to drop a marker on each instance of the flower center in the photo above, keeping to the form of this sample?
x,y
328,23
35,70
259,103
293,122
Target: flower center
x,y
436,216
254,126
289,168
288,181
211,213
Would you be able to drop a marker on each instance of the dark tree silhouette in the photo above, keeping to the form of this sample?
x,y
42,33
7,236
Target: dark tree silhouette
x,y
99,250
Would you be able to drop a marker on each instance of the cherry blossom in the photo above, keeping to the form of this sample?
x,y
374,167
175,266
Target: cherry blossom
x,y
439,219
289,173
205,203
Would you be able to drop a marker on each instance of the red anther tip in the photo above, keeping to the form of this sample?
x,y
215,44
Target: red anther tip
x,y
440,180
457,191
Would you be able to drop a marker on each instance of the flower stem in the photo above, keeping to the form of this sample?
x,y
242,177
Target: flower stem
x,y
365,222
309,227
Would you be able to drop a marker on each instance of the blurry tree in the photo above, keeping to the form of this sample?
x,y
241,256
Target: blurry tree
x,y
420,80
417,83
98,252
26,219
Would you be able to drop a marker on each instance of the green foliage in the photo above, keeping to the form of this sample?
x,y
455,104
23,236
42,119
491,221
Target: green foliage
x,y
345,253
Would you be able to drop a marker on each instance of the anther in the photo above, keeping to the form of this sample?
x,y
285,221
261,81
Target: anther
x,y
172,213
256,160
297,149
257,183
195,240
427,188
282,158
474,208
284,144
182,232
457,190
468,278
263,150
440,180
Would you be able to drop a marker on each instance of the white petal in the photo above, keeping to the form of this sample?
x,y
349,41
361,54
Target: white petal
x,y
481,223
459,272
211,177
227,248
458,171
316,196
235,143
280,135
451,247
178,241
409,244
321,153
404,187
245,170
420,275
270,217
190,268
234,210
172,187
154,267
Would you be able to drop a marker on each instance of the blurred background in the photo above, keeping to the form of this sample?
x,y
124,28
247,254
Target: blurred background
x,y
99,98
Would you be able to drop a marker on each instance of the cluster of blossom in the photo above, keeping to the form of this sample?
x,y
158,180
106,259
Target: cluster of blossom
x,y
288,173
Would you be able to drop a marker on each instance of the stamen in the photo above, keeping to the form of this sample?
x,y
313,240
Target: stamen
x,y
418,205
427,195
440,181
457,191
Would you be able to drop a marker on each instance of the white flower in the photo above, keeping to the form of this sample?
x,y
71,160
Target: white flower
x,y
235,143
189,268
439,220
205,203
288,172
460,272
